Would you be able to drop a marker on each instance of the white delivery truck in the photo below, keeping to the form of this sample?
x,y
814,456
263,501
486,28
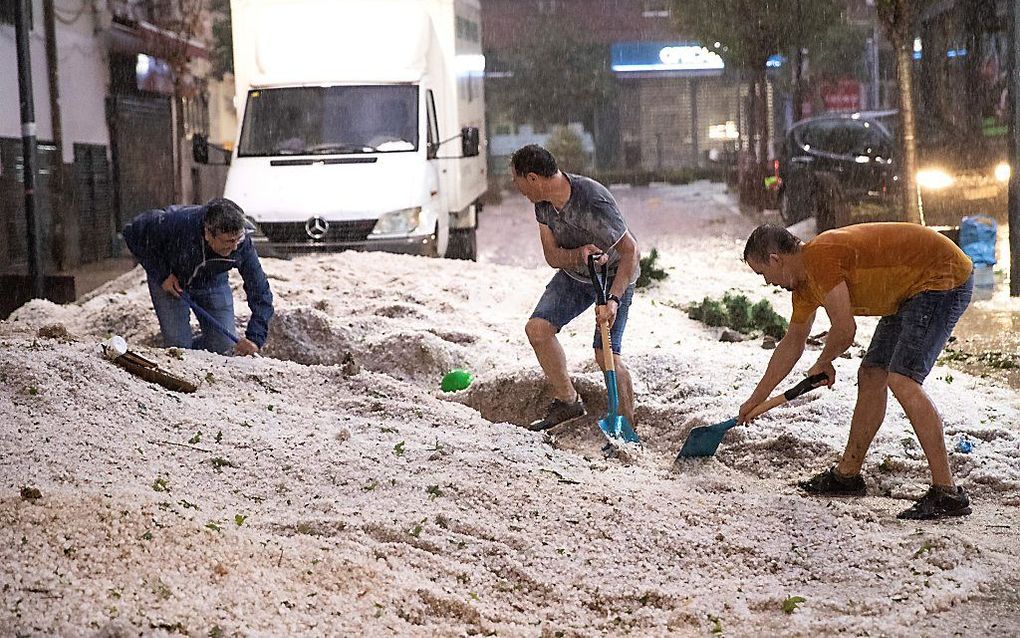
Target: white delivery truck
x,y
361,124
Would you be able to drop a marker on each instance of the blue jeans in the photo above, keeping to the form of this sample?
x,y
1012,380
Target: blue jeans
x,y
175,317
910,341
565,298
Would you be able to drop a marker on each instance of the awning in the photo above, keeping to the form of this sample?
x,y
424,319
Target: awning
x,y
142,37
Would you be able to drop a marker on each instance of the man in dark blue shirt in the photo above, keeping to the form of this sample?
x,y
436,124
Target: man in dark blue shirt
x,y
191,249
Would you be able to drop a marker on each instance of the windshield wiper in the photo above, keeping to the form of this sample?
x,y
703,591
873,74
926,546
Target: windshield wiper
x,y
338,147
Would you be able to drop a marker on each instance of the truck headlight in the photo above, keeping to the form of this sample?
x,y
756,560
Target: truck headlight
x,y
934,179
398,222
1002,172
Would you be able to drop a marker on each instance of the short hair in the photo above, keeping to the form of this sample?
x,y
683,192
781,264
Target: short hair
x,y
224,216
533,159
769,239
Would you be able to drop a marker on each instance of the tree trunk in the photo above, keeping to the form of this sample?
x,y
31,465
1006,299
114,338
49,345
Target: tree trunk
x,y
911,196
896,16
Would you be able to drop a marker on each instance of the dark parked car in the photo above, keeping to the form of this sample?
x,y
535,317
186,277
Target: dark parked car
x,y
844,169
831,165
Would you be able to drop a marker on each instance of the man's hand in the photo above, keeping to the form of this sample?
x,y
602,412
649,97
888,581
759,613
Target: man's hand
x,y
824,368
746,408
592,249
606,314
245,347
172,286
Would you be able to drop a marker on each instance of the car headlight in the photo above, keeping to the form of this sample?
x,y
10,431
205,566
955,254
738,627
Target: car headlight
x,y
1002,172
398,222
934,179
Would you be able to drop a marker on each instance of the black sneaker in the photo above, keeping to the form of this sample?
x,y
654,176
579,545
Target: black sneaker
x,y
558,412
939,502
829,483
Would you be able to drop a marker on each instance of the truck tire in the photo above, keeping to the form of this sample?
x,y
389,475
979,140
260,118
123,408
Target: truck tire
x,y
463,244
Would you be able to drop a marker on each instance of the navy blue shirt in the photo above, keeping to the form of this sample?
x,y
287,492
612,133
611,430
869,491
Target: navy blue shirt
x,y
172,241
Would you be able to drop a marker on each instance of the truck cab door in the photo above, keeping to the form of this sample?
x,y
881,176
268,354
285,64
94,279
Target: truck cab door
x,y
438,170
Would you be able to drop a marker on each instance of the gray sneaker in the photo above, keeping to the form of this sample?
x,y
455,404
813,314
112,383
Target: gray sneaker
x,y
558,412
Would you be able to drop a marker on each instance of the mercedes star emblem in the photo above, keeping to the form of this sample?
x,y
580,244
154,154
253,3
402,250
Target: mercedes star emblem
x,y
316,227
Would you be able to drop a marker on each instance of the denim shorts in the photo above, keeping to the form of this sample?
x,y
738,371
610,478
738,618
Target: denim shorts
x,y
910,341
565,298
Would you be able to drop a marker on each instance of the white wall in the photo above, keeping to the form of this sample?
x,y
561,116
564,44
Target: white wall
x,y
83,75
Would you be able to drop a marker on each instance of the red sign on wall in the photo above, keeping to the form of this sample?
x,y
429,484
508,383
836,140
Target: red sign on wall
x,y
841,95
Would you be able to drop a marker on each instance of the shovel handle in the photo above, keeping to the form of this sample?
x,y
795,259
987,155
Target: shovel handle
x,y
806,385
598,278
199,310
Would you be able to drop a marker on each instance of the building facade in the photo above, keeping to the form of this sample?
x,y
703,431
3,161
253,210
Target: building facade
x,y
675,103
118,87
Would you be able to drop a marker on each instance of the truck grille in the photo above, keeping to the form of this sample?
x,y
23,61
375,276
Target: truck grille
x,y
353,232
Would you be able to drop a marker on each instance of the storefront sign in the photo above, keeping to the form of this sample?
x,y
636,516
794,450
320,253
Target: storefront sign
x,y
842,95
665,57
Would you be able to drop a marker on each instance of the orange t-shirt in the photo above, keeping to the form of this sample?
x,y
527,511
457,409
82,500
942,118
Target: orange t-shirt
x,y
883,265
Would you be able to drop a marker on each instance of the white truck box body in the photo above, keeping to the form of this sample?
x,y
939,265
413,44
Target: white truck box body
x,y
345,66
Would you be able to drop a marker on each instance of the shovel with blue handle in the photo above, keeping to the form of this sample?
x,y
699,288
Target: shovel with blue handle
x,y
202,312
614,425
704,440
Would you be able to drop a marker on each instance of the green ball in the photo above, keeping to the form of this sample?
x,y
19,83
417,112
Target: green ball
x,y
457,379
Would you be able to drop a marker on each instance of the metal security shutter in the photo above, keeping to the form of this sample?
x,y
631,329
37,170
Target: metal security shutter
x,y
142,133
94,196
13,239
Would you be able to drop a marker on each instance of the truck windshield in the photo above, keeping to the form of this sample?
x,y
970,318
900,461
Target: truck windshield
x,y
330,120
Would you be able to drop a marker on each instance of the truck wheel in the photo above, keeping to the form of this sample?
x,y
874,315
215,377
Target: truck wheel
x,y
463,244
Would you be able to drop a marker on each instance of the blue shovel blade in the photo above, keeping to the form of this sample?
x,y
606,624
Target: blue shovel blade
x,y
704,440
618,428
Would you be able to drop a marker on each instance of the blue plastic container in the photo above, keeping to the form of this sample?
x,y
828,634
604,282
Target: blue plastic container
x,y
977,239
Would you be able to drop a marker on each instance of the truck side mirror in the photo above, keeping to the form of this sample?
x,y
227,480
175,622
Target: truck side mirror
x,y
469,141
200,148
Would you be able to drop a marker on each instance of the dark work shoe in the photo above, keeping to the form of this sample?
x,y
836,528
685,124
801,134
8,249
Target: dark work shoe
x,y
939,502
829,483
558,412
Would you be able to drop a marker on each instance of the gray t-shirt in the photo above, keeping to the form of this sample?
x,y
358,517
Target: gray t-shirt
x,y
590,216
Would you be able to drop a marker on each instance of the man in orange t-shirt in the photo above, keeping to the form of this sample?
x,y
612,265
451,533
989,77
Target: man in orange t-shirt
x,y
920,283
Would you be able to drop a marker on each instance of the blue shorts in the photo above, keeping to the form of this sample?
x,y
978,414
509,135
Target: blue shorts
x,y
565,298
910,341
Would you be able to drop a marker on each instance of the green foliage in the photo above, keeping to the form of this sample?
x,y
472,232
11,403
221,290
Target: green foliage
x,y
736,312
650,270
161,484
555,77
565,145
222,54
925,549
768,320
239,519
398,449
716,624
750,32
791,603
218,462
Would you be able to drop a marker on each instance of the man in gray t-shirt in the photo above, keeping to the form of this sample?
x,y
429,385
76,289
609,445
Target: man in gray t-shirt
x,y
577,217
